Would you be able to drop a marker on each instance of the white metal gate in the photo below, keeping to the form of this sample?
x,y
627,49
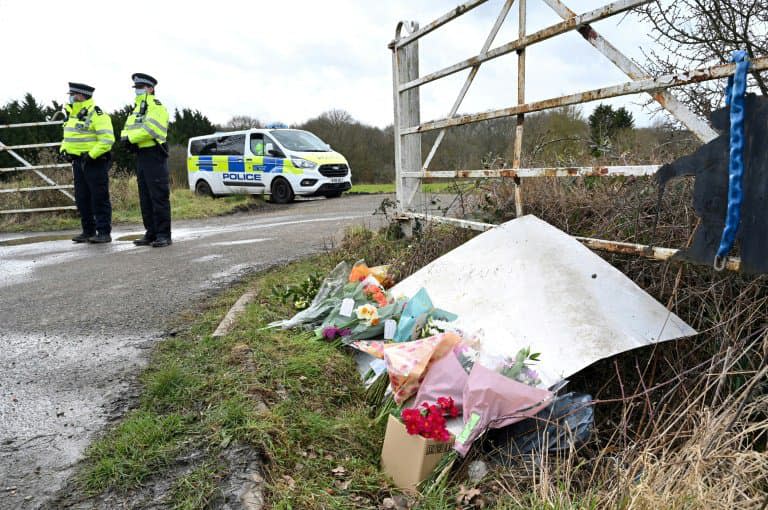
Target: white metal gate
x,y
410,170
36,169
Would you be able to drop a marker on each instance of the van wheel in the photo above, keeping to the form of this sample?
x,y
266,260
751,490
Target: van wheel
x,y
281,190
333,194
203,189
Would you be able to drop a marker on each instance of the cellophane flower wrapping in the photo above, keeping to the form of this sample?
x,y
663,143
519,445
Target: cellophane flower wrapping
x,y
407,362
492,400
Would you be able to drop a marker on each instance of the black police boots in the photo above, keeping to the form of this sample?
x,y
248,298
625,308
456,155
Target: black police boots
x,y
82,237
100,239
144,241
161,242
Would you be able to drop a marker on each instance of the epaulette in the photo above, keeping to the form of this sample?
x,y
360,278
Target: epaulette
x,y
97,110
157,101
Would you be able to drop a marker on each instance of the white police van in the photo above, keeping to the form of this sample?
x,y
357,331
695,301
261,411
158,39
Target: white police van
x,y
279,162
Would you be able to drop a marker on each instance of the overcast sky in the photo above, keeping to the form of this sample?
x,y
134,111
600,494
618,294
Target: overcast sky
x,y
290,60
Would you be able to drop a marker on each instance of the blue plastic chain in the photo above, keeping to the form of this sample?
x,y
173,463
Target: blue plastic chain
x,y
734,97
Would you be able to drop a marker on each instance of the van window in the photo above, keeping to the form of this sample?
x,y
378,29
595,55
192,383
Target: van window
x,y
275,147
203,147
230,145
297,140
257,144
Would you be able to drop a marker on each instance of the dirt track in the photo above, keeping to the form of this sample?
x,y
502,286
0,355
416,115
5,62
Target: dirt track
x,y
77,321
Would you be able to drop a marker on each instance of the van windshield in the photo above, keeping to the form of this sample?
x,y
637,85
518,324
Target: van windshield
x,y
299,141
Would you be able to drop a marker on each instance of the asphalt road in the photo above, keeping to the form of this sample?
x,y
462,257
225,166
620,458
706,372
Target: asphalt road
x,y
77,321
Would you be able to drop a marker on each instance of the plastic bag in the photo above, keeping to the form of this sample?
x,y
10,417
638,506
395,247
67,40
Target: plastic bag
x,y
566,423
415,315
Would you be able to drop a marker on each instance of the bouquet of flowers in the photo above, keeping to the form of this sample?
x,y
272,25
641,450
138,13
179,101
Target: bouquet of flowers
x,y
341,283
517,367
372,305
428,420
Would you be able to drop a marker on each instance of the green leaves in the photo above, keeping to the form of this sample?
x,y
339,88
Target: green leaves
x,y
301,295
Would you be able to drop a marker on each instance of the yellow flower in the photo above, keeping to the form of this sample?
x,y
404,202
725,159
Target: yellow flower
x,y
367,312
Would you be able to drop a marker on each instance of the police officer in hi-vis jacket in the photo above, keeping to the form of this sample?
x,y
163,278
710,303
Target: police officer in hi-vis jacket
x,y
145,133
87,143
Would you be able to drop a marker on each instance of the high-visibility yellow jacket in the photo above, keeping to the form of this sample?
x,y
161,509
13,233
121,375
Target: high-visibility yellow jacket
x,y
147,125
87,129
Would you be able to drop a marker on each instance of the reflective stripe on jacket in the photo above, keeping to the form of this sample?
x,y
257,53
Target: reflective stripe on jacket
x,y
87,129
147,125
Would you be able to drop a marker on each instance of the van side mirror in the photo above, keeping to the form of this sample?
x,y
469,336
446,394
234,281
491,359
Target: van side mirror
x,y
270,149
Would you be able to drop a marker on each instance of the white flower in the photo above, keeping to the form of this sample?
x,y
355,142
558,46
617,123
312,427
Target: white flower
x,y
367,312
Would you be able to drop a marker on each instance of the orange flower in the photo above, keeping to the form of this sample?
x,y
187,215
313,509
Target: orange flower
x,y
375,321
359,273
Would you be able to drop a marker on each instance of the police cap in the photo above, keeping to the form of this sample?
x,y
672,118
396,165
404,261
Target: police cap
x,y
143,80
81,88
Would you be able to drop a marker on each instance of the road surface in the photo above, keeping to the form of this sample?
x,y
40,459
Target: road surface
x,y
77,321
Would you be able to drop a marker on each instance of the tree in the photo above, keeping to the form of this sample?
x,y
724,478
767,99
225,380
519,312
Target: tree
x,y
187,124
605,124
369,150
122,159
28,109
240,122
700,33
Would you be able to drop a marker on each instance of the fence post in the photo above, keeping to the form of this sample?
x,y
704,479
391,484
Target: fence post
x,y
520,118
405,67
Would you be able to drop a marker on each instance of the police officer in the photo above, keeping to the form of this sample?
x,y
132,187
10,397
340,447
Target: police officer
x,y
87,143
145,134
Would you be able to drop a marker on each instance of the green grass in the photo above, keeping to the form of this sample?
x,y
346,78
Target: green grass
x,y
203,393
141,444
125,208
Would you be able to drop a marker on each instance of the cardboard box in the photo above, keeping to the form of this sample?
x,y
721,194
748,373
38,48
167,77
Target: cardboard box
x,y
409,459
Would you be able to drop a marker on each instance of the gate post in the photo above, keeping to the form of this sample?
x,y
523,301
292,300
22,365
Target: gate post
x,y
405,68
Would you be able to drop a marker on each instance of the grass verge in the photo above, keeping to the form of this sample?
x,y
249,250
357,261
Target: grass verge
x,y
125,208
204,394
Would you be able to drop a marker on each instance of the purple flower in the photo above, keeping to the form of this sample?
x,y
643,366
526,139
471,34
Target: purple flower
x,y
332,332
531,374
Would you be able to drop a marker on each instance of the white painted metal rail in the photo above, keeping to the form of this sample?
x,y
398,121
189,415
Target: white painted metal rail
x,y
36,169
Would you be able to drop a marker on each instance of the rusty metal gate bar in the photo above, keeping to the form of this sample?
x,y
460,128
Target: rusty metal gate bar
x,y
624,89
406,84
27,166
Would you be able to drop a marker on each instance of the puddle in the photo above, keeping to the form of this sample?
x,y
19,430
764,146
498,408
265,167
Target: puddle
x,y
242,241
35,239
131,237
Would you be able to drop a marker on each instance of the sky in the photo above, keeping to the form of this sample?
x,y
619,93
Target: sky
x,y
291,60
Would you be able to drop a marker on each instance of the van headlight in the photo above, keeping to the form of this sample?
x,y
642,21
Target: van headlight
x,y
302,163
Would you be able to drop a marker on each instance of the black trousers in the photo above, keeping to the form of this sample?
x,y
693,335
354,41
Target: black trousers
x,y
92,193
154,191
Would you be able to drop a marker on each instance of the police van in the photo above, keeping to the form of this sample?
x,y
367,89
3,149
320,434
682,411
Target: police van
x,y
281,163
